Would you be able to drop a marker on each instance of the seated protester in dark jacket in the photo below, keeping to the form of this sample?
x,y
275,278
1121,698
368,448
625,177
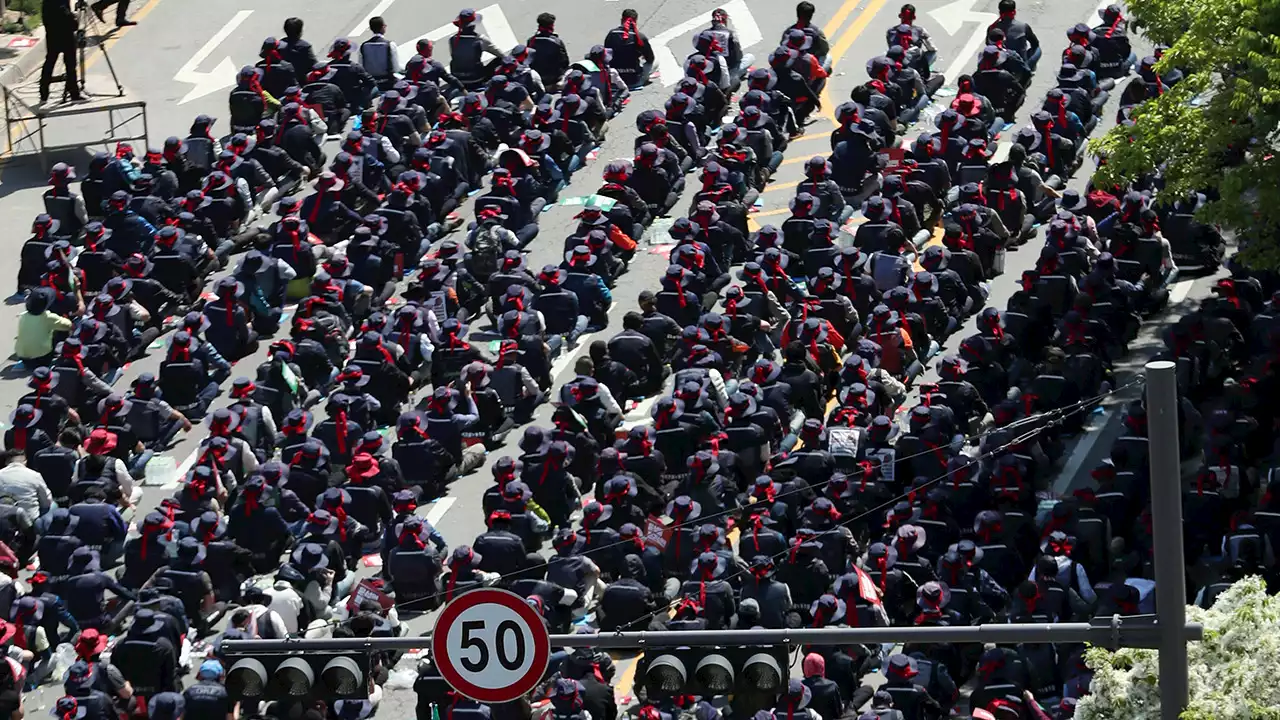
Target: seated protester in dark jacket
x,y
24,434
614,375
100,525
154,422
194,323
633,56
584,281
659,190
356,84
79,384
265,280
453,352
229,330
35,251
121,323
57,413
356,194
259,528
338,432
149,292
105,349
493,423
325,213
449,416
83,587
57,465
639,354
179,261
130,233
61,292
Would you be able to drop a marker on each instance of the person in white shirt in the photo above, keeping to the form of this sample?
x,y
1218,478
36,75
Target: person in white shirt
x,y
23,487
285,601
264,622
584,367
379,56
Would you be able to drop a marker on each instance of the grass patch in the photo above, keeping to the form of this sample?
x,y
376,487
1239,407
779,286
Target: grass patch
x,y
28,16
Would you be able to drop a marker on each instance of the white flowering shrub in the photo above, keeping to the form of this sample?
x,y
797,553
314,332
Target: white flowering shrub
x,y
1234,671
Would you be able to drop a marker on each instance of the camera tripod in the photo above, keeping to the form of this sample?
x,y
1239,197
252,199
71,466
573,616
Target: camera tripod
x,y
85,19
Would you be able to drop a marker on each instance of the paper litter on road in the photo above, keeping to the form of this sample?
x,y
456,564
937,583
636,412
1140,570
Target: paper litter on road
x,y
604,202
161,470
401,678
658,231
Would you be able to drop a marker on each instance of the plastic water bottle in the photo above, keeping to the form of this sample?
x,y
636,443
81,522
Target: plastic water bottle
x,y
64,656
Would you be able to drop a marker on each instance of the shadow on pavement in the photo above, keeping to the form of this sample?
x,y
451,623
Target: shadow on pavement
x,y
23,171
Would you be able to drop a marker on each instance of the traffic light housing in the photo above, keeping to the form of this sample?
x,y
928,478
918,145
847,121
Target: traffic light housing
x,y
715,671
297,676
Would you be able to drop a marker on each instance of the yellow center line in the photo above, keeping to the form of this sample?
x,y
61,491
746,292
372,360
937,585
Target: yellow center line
x,y
934,239
802,160
771,213
838,19
809,138
753,226
772,187
121,32
842,45
627,679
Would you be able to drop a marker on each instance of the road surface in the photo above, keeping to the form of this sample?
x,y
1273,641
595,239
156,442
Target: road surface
x,y
181,60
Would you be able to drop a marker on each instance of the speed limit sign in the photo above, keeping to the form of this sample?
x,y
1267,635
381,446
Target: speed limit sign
x,y
490,645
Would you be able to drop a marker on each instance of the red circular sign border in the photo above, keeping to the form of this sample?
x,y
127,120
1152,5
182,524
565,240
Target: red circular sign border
x,y
512,601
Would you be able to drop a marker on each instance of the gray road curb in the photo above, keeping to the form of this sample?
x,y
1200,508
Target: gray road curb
x,y
14,72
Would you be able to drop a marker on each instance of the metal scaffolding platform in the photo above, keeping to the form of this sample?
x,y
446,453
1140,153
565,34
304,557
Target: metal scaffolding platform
x,y
27,119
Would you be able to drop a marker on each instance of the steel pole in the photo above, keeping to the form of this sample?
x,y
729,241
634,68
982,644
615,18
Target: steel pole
x,y
1110,632
1166,522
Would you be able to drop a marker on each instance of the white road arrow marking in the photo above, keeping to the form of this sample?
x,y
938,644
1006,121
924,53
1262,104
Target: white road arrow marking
x,y
222,76
740,19
954,15
493,23
439,508
363,25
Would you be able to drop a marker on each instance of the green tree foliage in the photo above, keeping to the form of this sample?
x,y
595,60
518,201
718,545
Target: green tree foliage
x,y
1229,51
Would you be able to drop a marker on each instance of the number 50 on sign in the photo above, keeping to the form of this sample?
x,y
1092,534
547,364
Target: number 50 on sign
x,y
490,645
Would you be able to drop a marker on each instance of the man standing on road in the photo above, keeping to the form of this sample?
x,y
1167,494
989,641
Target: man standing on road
x,y
60,36
122,9
298,52
379,56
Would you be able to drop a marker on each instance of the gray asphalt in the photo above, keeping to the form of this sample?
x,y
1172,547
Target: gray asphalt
x,y
148,56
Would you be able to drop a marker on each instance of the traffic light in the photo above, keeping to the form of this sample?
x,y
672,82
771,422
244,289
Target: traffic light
x,y
715,671
284,676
